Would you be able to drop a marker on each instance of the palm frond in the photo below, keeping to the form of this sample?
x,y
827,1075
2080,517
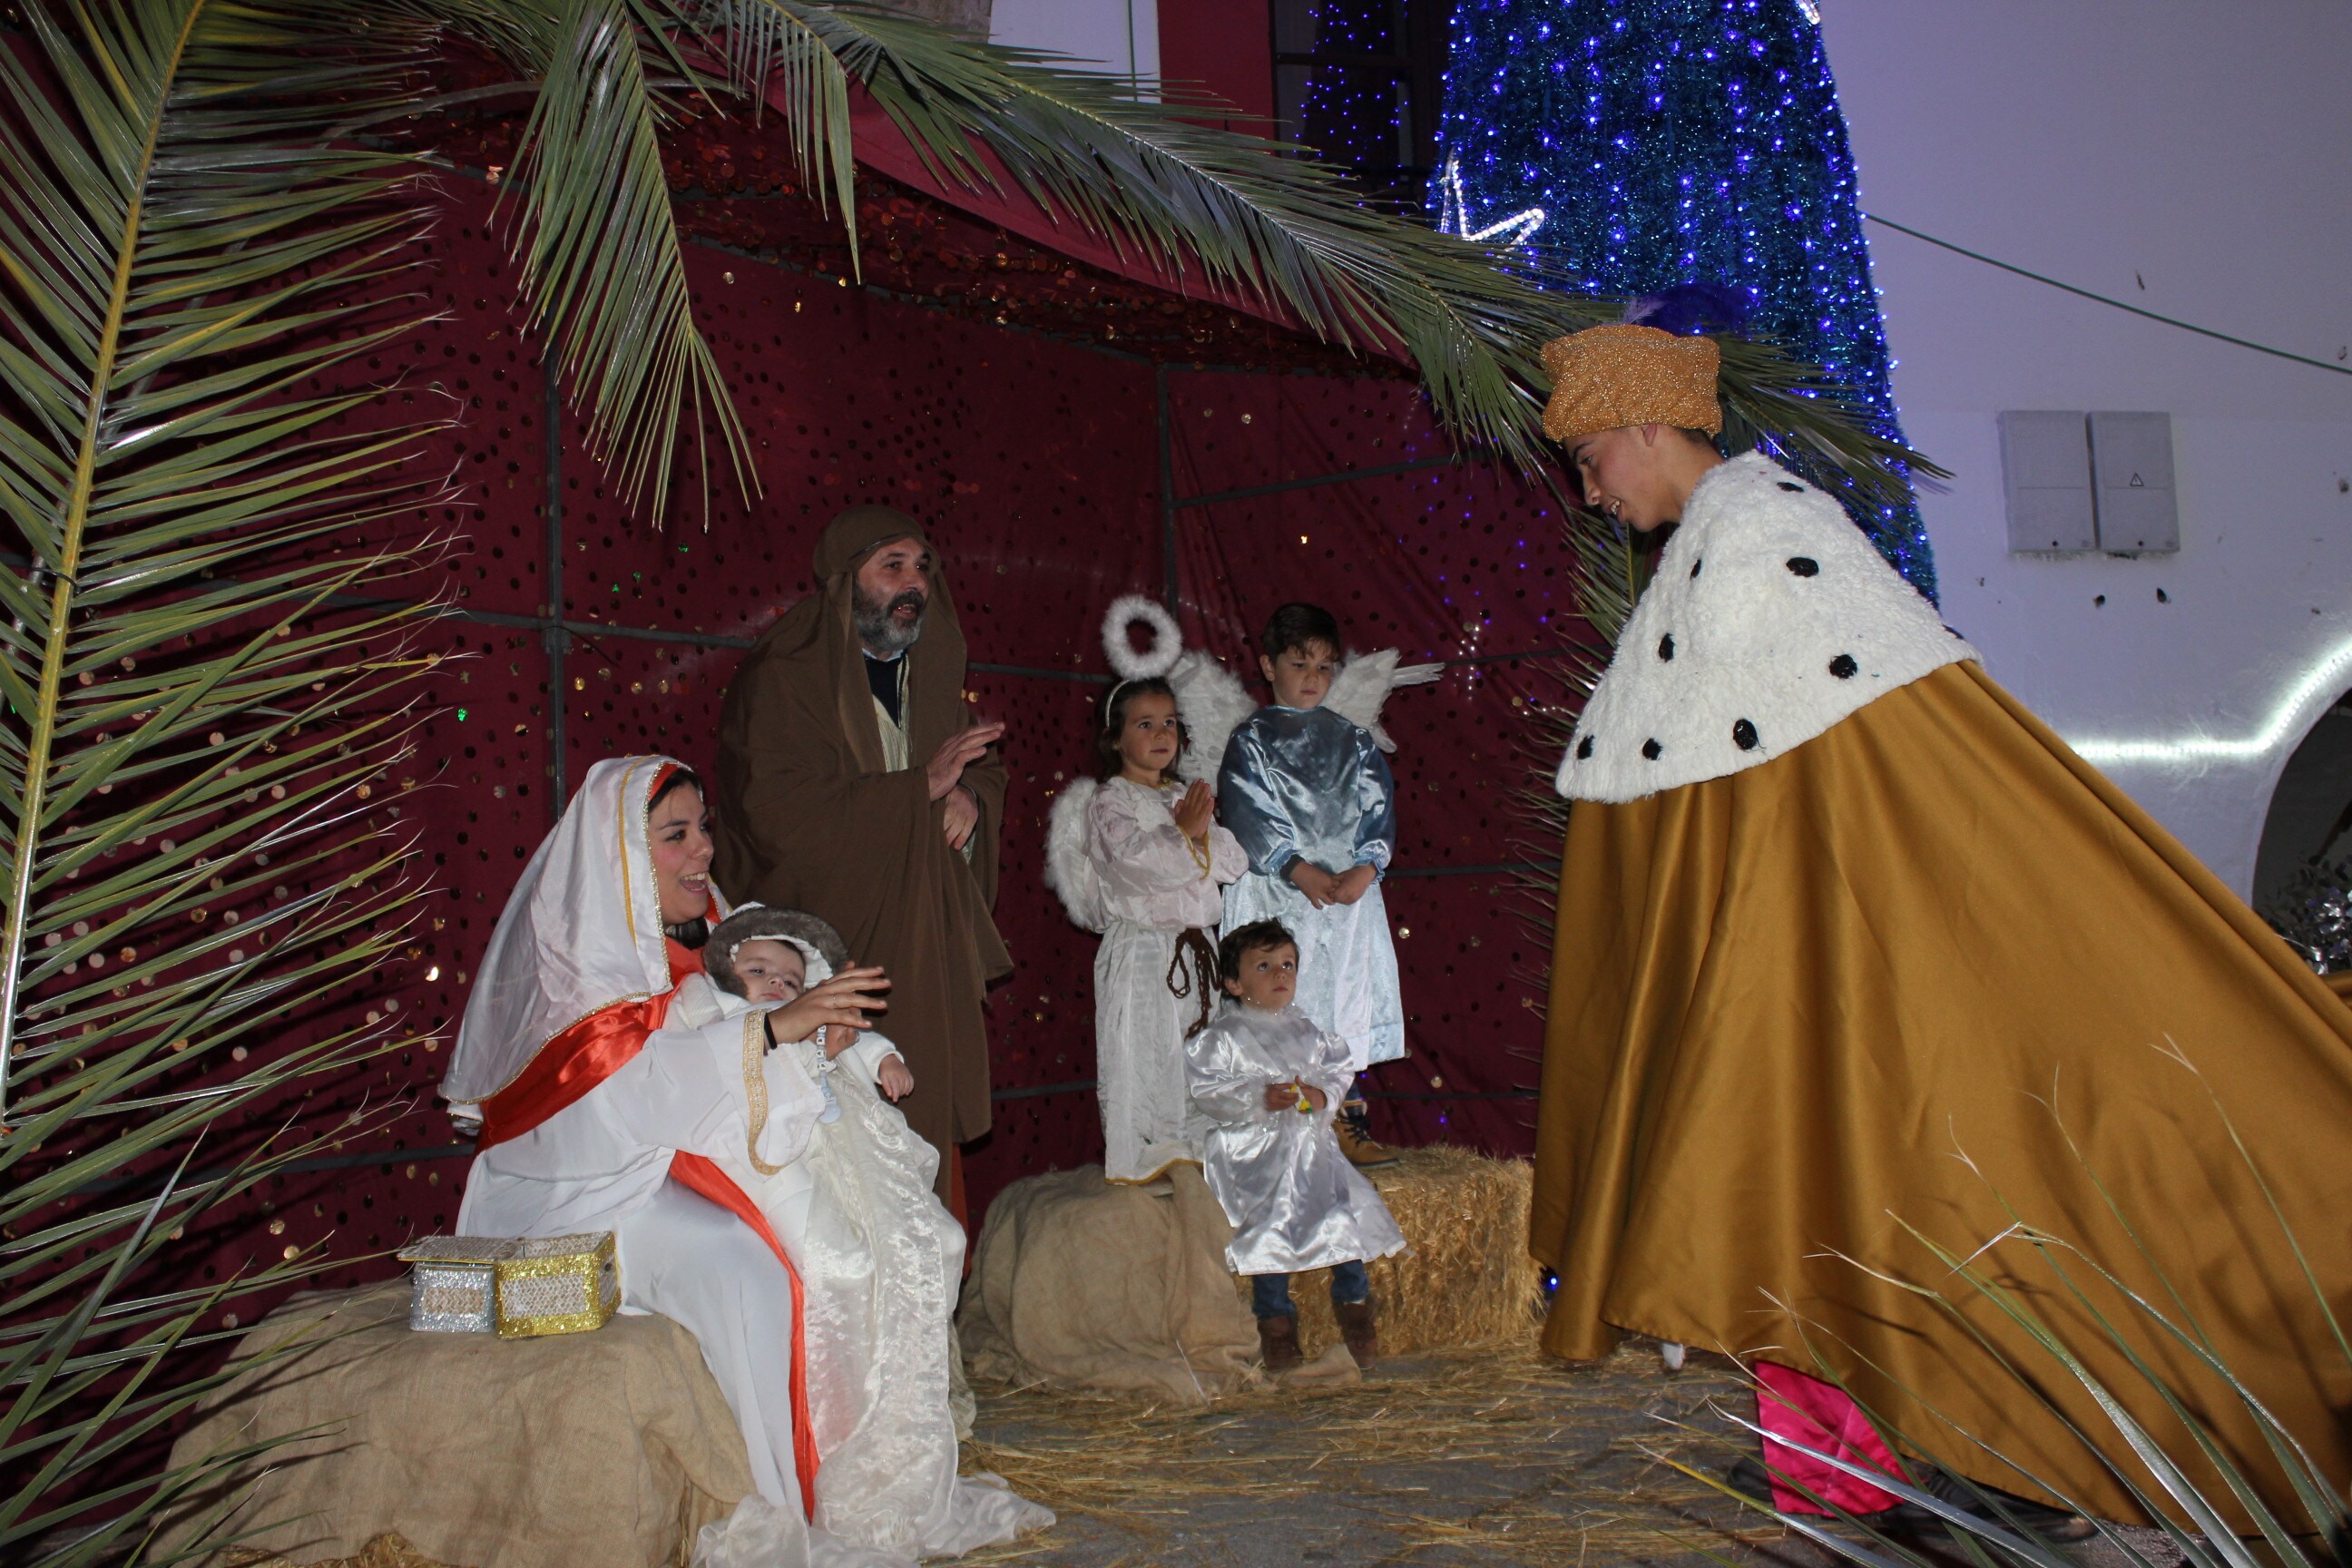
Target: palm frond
x,y
1238,214
1229,214
1774,401
191,849
1230,211
603,268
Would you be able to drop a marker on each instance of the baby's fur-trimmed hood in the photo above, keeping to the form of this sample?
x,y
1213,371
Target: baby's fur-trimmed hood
x,y
758,922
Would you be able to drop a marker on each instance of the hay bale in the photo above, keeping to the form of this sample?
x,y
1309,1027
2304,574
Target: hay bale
x,y
1467,1280
390,1550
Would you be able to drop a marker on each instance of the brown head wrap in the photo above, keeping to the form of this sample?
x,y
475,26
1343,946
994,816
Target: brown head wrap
x,y
858,532
1604,378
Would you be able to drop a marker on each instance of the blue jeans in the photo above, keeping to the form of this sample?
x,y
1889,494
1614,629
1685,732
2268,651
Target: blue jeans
x,y
1270,1293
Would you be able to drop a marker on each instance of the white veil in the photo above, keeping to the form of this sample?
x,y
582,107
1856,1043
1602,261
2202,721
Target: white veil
x,y
582,930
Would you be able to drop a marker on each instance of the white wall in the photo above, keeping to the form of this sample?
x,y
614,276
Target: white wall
x,y
2201,150
1117,36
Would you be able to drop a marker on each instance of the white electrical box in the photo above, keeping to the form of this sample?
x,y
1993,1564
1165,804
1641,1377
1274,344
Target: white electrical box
x,y
2131,467
2082,482
2045,463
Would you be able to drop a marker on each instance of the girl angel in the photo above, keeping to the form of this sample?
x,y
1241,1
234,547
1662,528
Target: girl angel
x,y
1137,855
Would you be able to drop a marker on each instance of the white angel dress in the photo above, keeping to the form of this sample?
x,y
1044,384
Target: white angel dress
x,y
880,1261
1294,1200
1124,869
1312,783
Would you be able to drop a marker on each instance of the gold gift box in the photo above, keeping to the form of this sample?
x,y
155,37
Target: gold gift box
x,y
558,1285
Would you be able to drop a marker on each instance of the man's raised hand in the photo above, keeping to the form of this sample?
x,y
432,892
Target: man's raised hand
x,y
957,752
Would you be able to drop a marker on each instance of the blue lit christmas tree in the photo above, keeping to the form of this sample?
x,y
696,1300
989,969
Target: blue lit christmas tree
x,y
1674,142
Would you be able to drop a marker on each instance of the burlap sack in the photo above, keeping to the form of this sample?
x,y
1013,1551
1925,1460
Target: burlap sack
x,y
607,1450
1080,1283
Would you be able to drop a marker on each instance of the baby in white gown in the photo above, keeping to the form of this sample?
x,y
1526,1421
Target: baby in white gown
x,y
879,1255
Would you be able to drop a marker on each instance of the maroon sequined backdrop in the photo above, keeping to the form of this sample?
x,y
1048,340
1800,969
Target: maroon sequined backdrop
x,y
1099,436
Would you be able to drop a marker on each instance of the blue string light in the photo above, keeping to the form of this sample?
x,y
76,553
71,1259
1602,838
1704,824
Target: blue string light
x,y
1676,142
1352,113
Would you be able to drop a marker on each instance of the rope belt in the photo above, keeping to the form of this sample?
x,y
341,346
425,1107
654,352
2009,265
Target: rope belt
x,y
1198,978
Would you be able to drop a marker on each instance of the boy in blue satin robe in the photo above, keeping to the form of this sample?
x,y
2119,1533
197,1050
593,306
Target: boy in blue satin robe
x,y
1311,799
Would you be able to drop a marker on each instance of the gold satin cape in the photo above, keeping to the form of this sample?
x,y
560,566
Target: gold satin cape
x,y
1872,978
808,818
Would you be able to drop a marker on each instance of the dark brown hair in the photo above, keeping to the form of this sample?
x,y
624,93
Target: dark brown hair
x,y
1242,941
1109,764
1299,625
680,775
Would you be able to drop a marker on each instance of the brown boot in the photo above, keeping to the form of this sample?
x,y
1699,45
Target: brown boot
x,y
1358,1326
1354,1129
1277,1341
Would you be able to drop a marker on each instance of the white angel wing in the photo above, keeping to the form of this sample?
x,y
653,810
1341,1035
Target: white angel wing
x,y
1068,871
1363,684
1212,700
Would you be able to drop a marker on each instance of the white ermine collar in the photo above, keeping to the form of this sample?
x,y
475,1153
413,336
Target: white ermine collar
x,y
1771,619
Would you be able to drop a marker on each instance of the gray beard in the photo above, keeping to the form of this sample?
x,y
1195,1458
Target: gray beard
x,y
875,630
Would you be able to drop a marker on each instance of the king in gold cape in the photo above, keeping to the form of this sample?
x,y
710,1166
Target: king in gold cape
x,y
1848,942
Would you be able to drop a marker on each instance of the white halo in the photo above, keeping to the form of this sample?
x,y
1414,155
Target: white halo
x,y
1167,638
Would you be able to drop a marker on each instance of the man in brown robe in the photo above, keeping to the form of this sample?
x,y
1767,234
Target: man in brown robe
x,y
853,782
1851,946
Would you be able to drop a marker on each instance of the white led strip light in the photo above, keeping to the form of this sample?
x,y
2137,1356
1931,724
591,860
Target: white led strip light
x,y
2334,672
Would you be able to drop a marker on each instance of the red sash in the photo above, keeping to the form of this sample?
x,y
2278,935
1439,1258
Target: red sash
x,y
697,1175
569,1065
584,1056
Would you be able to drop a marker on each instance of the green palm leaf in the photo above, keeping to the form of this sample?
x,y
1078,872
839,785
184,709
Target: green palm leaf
x,y
1226,210
1236,214
604,269
602,266
192,852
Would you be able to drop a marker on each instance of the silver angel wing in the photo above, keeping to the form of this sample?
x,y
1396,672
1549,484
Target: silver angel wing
x,y
1068,871
1363,684
1212,700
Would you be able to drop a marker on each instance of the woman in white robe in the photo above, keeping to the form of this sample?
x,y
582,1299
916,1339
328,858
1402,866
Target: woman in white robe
x,y
595,1117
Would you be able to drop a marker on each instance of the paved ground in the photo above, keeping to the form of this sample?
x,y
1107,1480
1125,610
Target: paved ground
x,y
1494,1458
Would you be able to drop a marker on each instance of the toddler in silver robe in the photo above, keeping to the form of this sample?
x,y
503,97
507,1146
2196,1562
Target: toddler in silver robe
x,y
1268,1080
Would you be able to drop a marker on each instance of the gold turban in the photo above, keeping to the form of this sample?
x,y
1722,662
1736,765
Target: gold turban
x,y
1604,378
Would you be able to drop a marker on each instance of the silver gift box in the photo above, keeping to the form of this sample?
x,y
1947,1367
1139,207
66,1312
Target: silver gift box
x,y
452,1282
